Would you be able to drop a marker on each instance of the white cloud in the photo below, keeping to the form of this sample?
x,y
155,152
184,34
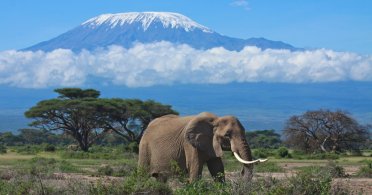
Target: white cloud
x,y
241,3
166,63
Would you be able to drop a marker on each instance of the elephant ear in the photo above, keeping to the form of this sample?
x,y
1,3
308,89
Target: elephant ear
x,y
199,132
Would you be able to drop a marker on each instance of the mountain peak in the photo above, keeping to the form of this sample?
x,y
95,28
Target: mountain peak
x,y
127,29
167,19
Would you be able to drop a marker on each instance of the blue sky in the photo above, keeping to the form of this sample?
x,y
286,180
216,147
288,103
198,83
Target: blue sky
x,y
340,25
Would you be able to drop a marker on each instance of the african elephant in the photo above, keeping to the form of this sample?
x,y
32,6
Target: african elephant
x,y
192,141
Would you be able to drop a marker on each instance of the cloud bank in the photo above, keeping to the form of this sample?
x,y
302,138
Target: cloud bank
x,y
165,63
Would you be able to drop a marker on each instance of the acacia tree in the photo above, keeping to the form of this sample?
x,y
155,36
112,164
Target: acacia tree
x,y
73,112
325,130
86,117
129,117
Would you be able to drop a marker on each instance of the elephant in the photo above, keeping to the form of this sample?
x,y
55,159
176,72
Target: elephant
x,y
192,141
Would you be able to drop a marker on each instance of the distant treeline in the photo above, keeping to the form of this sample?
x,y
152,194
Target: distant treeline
x,y
36,137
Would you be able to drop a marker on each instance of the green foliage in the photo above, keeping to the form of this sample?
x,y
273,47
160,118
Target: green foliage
x,y
106,170
365,171
132,147
87,118
204,187
263,139
98,152
49,148
89,155
310,181
2,149
318,156
29,149
49,165
125,169
139,182
77,93
7,138
262,153
283,152
16,187
335,170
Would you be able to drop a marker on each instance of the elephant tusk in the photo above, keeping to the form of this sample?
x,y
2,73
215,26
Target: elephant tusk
x,y
247,162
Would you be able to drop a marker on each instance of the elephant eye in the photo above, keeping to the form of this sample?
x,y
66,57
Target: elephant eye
x,y
227,134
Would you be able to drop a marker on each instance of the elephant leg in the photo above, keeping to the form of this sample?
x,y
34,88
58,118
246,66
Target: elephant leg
x,y
195,171
215,167
194,162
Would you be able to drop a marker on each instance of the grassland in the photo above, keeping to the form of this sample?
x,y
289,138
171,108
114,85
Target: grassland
x,y
113,171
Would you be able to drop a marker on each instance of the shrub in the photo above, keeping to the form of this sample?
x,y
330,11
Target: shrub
x,y
141,182
365,171
335,170
105,170
125,169
283,152
29,149
49,148
262,153
310,181
50,165
2,149
204,187
320,155
132,147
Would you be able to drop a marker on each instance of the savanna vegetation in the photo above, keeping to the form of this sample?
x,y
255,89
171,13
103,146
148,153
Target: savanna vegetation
x,y
79,143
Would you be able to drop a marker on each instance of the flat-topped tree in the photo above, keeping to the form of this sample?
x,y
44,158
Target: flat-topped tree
x,y
86,117
73,112
129,117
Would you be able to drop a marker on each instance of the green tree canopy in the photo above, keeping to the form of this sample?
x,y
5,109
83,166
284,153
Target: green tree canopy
x,y
77,93
263,139
86,117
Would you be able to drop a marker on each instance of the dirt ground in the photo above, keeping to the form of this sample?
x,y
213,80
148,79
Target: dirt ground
x,y
356,185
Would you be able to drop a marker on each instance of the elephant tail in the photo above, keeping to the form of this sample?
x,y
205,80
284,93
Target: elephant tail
x,y
144,156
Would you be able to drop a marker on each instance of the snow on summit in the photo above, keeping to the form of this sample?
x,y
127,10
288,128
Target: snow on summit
x,y
167,19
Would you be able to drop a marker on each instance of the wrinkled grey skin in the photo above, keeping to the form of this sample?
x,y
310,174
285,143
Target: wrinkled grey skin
x,y
191,142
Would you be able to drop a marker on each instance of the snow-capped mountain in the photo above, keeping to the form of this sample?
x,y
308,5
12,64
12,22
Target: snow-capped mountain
x,y
125,29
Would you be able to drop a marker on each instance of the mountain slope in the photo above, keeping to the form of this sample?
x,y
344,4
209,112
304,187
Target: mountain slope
x,y
125,29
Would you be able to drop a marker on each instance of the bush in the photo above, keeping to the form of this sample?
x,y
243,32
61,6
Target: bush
x,y
50,165
335,170
310,181
318,156
2,149
141,182
105,170
283,152
29,149
132,147
204,187
365,171
262,153
125,169
49,148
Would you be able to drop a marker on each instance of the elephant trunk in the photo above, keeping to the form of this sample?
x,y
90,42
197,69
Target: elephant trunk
x,y
244,152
